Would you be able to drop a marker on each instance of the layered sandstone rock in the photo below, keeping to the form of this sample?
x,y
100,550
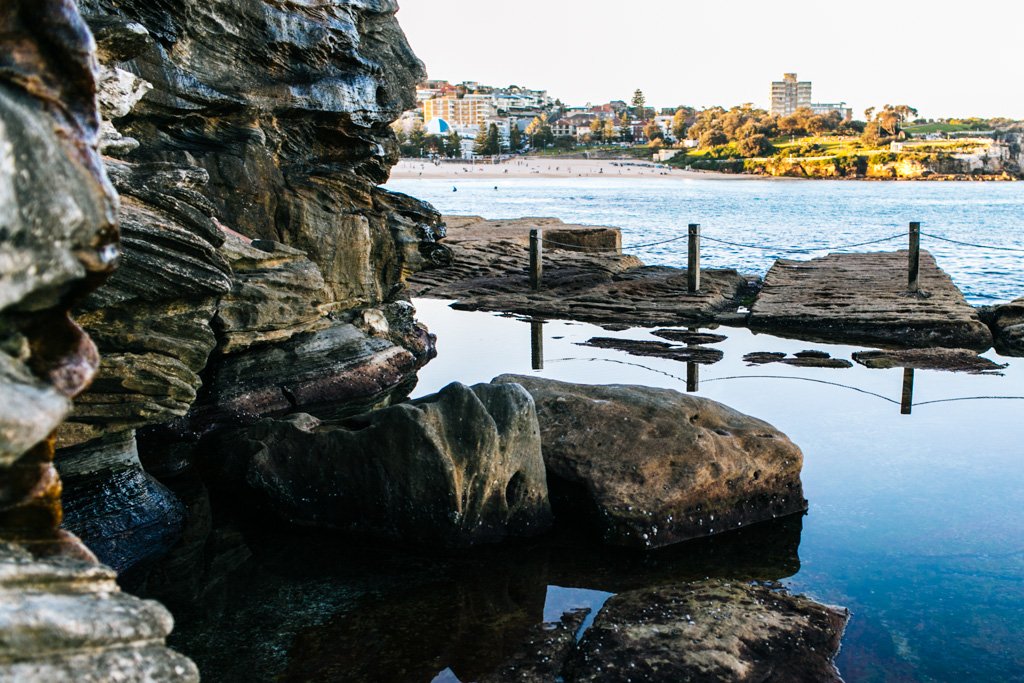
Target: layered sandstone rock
x,y
61,619
654,467
459,467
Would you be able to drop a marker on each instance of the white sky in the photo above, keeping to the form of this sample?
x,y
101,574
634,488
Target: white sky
x,y
945,58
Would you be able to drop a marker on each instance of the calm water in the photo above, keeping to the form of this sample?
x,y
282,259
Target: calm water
x,y
916,524
772,213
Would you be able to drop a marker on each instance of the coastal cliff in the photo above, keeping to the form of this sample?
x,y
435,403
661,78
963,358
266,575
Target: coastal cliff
x,y
263,267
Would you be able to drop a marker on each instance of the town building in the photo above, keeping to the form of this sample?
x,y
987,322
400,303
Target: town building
x,y
471,110
824,108
789,94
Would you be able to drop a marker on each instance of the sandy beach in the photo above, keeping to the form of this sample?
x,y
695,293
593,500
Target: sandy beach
x,y
535,167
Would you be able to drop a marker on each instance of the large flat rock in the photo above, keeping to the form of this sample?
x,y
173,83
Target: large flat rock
x,y
863,298
491,275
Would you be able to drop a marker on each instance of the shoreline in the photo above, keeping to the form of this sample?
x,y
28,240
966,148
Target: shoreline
x,y
567,168
536,167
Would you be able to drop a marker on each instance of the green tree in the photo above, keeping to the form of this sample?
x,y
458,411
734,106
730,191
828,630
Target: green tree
x,y
481,143
515,138
681,121
653,131
596,130
757,145
453,144
539,132
639,105
417,138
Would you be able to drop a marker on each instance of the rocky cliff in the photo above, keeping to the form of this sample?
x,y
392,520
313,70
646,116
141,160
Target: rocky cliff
x,y
263,267
239,145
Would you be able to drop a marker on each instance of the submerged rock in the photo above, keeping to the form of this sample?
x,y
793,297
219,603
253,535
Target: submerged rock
x,y
459,467
542,656
64,621
711,631
689,336
953,360
656,467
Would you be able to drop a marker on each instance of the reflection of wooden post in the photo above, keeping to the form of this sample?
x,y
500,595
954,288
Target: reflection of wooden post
x,y
537,344
693,258
907,402
536,260
692,377
914,257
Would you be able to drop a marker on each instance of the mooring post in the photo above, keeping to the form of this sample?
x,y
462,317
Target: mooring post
x,y
907,400
537,344
914,256
693,260
536,260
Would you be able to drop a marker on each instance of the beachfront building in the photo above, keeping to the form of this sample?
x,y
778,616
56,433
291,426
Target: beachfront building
x,y
789,94
471,110
665,123
824,108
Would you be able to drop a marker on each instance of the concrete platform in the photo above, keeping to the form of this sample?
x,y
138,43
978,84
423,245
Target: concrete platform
x,y
863,299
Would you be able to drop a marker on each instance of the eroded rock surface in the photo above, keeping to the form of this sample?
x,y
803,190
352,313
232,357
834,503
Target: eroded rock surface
x,y
459,467
800,359
863,298
656,467
711,631
656,349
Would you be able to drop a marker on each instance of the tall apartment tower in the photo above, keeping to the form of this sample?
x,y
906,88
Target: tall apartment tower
x,y
789,94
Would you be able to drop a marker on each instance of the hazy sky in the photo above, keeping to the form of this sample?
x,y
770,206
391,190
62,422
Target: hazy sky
x,y
945,58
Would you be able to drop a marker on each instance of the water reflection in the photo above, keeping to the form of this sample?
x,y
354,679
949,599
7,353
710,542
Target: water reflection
x,y
907,401
537,344
311,606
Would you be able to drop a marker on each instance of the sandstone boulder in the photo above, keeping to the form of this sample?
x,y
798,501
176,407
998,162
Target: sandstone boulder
x,y
1007,324
711,631
459,467
654,467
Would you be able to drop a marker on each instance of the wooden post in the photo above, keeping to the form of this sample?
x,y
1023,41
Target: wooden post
x,y
693,259
914,256
536,258
692,377
907,400
537,344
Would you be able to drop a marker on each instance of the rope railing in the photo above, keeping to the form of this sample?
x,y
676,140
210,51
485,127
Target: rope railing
x,y
694,236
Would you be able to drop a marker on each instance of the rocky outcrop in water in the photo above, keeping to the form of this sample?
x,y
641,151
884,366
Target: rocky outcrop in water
x,y
746,632
1007,324
459,467
654,467
950,360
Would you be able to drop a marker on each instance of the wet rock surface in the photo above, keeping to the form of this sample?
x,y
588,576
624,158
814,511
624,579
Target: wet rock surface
x,y
542,656
459,467
952,360
555,233
801,359
689,336
863,298
746,632
122,513
1007,324
655,467
637,347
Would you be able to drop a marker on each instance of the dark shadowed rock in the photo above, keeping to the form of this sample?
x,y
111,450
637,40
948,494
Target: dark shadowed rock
x,y
542,656
1007,324
657,467
711,631
953,360
123,514
459,467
